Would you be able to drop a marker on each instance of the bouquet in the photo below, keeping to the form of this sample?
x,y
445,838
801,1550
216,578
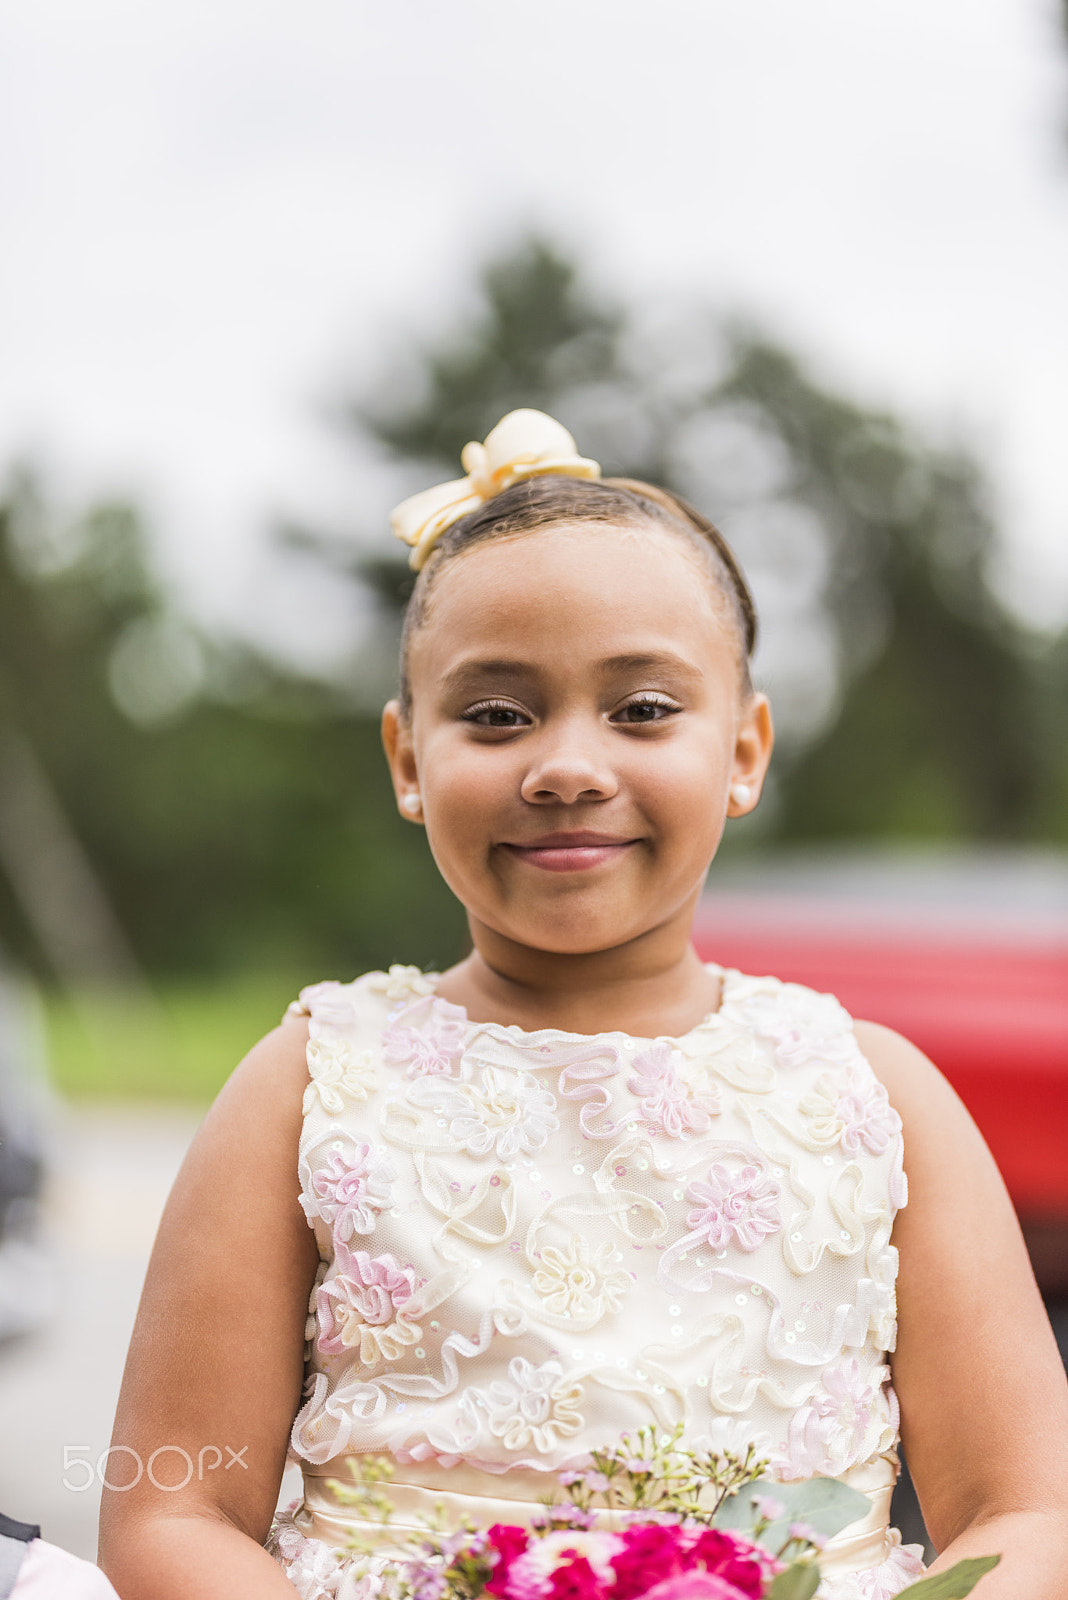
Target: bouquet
x,y
647,1520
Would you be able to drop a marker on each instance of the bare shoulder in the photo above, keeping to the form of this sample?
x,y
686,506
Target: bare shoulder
x,y
946,1157
264,1094
899,1064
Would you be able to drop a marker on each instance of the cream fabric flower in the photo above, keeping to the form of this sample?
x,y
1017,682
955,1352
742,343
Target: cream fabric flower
x,y
524,444
580,1280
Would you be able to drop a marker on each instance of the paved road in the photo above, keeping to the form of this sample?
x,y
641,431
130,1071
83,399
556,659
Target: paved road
x,y
112,1168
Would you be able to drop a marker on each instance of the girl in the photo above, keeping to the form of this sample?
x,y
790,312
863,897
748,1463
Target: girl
x,y
580,1182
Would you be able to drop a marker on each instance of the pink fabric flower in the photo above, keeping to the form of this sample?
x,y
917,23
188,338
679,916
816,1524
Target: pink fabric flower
x,y
866,1115
802,1025
666,1099
366,1293
741,1204
428,1037
348,1191
826,1435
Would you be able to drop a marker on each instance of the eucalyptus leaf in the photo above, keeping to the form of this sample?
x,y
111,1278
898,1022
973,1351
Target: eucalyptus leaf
x,y
824,1503
797,1582
959,1580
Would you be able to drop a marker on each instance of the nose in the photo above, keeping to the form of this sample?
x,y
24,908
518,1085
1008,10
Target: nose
x,y
568,764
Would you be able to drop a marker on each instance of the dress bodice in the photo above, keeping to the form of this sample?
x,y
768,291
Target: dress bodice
x,y
532,1243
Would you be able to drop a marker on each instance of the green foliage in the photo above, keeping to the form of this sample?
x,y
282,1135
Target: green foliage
x,y
256,835
959,1581
796,1583
823,1503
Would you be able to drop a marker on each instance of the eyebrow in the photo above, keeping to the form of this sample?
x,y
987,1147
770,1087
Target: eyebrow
x,y
471,671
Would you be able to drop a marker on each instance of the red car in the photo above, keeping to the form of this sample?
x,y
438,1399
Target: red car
x,y
967,955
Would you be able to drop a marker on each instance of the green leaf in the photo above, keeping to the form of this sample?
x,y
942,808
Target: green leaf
x,y
798,1582
824,1503
959,1580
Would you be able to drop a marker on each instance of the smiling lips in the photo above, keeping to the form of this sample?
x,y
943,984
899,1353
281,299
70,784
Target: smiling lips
x,y
570,852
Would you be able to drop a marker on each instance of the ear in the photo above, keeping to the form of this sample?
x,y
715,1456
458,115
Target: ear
x,y
400,753
752,752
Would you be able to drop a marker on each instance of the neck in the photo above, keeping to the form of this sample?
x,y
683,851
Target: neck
x,y
655,984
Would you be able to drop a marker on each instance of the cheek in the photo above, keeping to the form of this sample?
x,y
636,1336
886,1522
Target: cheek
x,y
690,786
462,794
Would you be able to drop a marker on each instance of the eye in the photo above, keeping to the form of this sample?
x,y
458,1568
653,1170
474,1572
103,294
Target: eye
x,y
494,714
646,708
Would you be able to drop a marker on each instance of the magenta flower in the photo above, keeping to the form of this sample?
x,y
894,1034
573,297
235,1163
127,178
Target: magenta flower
x,y
742,1205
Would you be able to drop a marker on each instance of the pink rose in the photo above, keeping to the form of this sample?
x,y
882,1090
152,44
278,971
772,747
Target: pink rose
x,y
695,1585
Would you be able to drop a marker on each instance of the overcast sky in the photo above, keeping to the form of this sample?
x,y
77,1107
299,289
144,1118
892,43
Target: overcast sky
x,y
216,209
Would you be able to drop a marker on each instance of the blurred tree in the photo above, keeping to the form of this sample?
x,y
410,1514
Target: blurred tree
x,y
42,860
257,833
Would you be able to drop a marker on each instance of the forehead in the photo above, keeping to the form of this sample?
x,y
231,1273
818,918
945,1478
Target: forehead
x,y
572,594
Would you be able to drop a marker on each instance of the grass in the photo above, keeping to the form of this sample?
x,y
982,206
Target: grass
x,y
181,1044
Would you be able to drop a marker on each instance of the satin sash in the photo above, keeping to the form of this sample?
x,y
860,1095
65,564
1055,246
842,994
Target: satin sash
x,y
463,1494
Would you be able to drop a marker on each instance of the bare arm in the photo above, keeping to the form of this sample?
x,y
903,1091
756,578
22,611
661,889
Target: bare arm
x,y
216,1358
984,1402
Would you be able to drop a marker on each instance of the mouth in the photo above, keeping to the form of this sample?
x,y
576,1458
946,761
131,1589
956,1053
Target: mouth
x,y
570,852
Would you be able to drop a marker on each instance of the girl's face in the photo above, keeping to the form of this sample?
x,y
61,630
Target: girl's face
x,y
577,723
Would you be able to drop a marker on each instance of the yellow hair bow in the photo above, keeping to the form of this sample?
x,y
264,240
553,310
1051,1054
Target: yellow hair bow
x,y
524,444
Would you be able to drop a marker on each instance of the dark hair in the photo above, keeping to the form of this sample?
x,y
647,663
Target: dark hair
x,y
546,501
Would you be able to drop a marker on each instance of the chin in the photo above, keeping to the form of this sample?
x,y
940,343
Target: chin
x,y
577,940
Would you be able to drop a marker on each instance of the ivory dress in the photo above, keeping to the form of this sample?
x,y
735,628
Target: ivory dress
x,y
534,1242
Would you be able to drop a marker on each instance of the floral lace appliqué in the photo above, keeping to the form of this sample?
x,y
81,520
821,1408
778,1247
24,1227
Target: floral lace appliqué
x,y
337,1071
855,1113
826,1435
665,1098
902,1566
742,1206
361,1308
349,1191
804,1026
534,1408
401,983
581,1280
427,1038
505,1111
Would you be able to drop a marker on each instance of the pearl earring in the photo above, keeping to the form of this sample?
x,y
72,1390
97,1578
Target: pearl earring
x,y
411,803
741,794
